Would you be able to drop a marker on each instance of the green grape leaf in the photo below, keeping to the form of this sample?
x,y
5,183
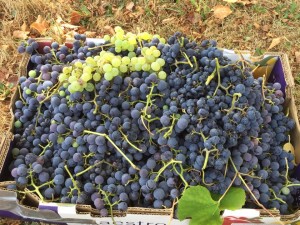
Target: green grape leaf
x,y
197,204
234,199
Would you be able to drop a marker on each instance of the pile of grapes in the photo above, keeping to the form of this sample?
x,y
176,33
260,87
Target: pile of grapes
x,y
137,119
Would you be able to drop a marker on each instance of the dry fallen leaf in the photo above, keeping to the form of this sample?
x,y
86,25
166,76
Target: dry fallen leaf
x,y
109,29
19,34
130,6
40,25
256,25
75,18
275,42
90,34
221,11
265,28
297,55
24,27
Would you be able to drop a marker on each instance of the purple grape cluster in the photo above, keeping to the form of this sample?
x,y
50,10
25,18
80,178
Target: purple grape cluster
x,y
141,141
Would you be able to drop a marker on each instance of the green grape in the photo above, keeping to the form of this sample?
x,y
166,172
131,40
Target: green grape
x,y
62,93
89,87
62,77
132,41
141,60
162,40
118,49
131,54
156,53
125,60
285,191
138,67
116,61
60,140
134,60
162,75
118,43
78,64
75,144
125,44
108,56
108,76
107,67
146,67
131,48
76,86
91,61
28,91
72,79
155,66
67,70
148,52
150,58
120,36
106,37
32,73
18,124
65,85
160,61
123,68
86,76
96,76
115,72
87,69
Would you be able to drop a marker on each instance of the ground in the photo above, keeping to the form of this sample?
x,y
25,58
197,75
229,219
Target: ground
x,y
254,25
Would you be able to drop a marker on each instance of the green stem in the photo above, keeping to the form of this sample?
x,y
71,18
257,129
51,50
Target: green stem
x,y
172,161
127,140
72,178
181,175
111,141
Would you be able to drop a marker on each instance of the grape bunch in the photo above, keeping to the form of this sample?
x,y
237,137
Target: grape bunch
x,y
135,121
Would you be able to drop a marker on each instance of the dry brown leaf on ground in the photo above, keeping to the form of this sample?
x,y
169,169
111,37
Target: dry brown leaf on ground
x,y
221,11
40,25
256,25
19,34
90,34
297,55
75,17
275,42
130,6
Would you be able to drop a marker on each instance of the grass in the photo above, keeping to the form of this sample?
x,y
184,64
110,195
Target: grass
x,y
249,27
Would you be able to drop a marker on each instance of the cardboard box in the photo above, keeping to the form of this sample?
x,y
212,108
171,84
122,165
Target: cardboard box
x,y
31,208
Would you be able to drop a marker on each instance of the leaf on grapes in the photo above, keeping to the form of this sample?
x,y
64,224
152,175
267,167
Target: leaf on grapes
x,y
40,25
288,147
221,11
75,18
196,203
130,6
234,199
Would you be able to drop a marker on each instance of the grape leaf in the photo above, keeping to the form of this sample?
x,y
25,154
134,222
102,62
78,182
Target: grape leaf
x,y
234,199
197,204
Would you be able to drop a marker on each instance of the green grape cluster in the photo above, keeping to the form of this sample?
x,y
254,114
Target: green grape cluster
x,y
83,75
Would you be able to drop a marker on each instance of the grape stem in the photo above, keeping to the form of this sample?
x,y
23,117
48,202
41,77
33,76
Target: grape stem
x,y
44,147
127,140
287,171
21,97
231,183
109,204
91,167
210,77
172,161
253,196
111,141
180,174
72,178
275,196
